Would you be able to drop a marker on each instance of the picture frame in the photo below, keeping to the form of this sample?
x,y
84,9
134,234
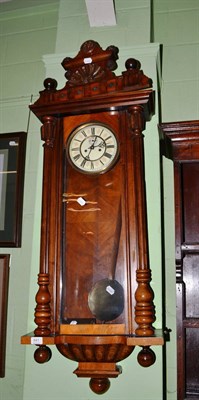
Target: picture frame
x,y
12,171
4,279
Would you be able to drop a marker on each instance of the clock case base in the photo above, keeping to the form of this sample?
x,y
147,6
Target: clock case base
x,y
97,355
92,87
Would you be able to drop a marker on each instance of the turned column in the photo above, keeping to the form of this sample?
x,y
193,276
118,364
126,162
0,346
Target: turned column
x,y
43,310
144,308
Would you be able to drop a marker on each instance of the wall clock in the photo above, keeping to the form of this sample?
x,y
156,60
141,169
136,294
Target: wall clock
x,y
94,300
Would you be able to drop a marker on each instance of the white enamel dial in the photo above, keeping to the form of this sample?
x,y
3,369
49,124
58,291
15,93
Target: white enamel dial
x,y
93,148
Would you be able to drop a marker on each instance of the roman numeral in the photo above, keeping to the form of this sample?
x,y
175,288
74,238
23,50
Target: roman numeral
x,y
83,162
108,155
84,133
92,131
75,158
108,138
110,146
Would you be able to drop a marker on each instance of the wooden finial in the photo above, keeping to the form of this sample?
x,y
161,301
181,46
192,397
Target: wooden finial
x,y
146,357
99,385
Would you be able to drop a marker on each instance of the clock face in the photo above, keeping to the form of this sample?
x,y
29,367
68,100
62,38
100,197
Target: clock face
x,y
93,148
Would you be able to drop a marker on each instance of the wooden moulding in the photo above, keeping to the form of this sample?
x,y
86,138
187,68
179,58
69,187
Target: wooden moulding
x,y
86,370
92,329
156,340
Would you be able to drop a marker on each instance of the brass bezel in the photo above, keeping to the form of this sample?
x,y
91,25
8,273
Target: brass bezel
x,y
103,170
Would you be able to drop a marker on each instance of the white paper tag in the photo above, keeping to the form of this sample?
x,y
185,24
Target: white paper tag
x,y
13,143
81,201
36,340
88,60
73,322
110,290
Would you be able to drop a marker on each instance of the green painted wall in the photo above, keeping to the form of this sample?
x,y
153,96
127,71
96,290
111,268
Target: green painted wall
x,y
25,35
176,28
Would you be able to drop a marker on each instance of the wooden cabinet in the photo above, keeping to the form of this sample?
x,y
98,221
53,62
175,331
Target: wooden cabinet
x,y
180,142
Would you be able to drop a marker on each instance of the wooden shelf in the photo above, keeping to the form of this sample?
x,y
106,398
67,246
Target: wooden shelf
x,y
157,339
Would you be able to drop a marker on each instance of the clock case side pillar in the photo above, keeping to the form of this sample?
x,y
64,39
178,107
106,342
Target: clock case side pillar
x,y
144,307
45,311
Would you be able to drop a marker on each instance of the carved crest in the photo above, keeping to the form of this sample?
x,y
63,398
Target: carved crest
x,y
91,64
90,76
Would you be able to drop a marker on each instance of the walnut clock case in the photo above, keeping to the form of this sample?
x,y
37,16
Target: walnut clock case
x,y
94,300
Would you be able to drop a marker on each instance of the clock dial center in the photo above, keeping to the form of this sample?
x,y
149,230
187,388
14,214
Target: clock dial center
x,y
93,148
